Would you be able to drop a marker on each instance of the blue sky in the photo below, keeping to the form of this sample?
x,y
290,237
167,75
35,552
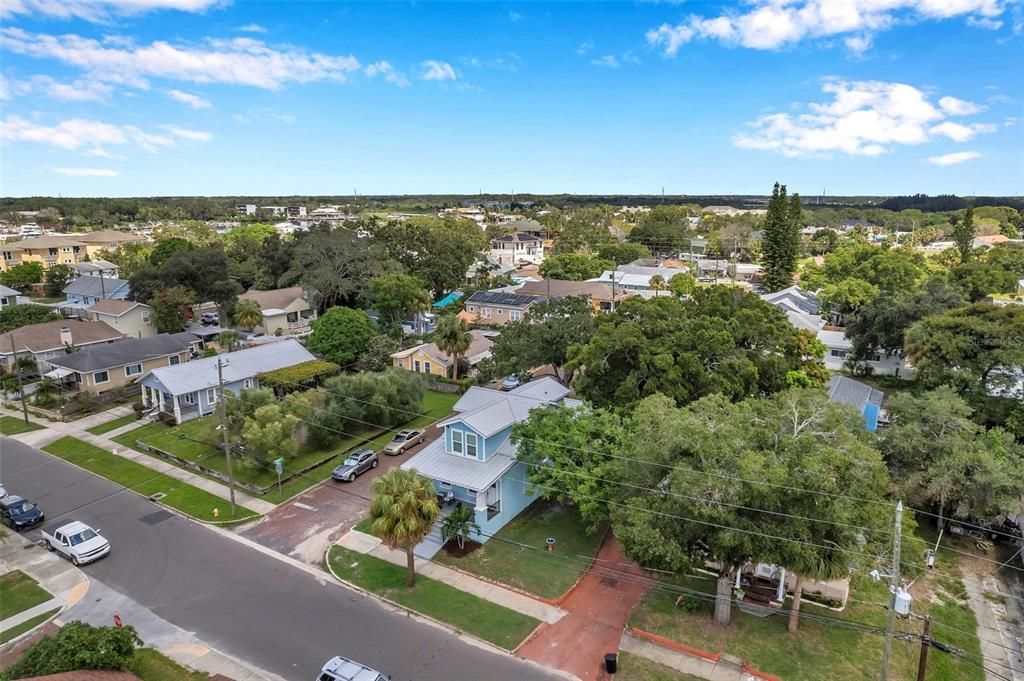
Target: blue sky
x,y
183,97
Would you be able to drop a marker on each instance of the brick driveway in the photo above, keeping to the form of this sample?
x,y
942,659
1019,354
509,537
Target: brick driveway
x,y
305,526
598,609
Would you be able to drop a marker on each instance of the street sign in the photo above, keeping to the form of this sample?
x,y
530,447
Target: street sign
x,y
279,465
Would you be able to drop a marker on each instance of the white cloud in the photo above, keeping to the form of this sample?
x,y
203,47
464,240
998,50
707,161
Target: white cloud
x,y
514,16
863,118
608,60
438,70
89,136
194,101
954,158
985,23
630,58
584,48
85,172
388,72
98,10
252,28
5,88
76,91
775,24
286,118
959,107
239,61
187,134
240,118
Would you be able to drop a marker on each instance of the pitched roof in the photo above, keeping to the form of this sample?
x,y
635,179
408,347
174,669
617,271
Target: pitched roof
x,y
8,291
39,242
128,351
497,298
46,336
104,235
94,266
276,299
793,298
561,288
517,237
114,307
95,287
843,390
201,374
526,225
437,464
479,345
488,411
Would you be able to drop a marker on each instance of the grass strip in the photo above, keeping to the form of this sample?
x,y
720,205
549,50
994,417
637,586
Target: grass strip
x,y
497,624
112,425
28,625
151,665
10,425
180,495
19,592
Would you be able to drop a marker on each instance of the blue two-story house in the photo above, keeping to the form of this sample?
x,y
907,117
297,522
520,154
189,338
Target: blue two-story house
x,y
475,462
87,290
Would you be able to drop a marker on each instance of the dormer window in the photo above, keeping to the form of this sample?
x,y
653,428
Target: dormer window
x,y
457,441
471,445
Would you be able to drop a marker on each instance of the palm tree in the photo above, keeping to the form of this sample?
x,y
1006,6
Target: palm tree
x,y
820,565
403,510
458,526
248,314
228,340
452,336
657,284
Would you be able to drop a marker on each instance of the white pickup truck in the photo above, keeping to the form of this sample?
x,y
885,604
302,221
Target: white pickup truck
x,y
78,542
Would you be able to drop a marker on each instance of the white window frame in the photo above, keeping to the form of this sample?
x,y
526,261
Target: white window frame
x,y
426,367
461,442
444,485
145,316
129,374
247,384
476,445
211,396
514,315
501,312
173,360
416,365
189,398
95,379
487,312
471,308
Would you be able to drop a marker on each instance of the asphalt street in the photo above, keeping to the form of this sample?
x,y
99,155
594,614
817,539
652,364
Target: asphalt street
x,y
236,599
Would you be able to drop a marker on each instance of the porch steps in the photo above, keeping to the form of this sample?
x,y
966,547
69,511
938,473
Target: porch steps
x,y
431,544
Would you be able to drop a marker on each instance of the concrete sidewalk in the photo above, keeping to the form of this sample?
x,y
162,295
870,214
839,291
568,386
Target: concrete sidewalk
x,y
55,430
513,600
726,669
26,615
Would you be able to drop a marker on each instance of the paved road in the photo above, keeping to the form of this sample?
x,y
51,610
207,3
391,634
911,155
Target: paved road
x,y
238,600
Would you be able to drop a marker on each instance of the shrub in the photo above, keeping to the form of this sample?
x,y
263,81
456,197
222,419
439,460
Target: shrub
x,y
78,646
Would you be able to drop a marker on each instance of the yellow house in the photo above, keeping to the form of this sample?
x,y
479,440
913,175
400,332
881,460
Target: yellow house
x,y
106,239
285,310
48,250
427,358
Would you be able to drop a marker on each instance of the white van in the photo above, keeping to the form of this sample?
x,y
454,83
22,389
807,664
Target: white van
x,y
343,669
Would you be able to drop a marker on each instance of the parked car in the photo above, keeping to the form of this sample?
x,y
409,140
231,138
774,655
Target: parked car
x,y
511,382
3,492
209,318
357,463
19,513
402,441
343,669
78,542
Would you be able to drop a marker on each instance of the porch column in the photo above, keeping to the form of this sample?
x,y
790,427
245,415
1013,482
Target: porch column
x,y
145,397
160,399
740,570
177,409
781,593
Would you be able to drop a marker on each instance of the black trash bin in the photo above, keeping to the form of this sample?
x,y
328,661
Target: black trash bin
x,y
611,662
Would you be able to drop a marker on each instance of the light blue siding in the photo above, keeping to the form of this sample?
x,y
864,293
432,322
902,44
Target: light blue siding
x,y
871,417
464,429
492,443
515,496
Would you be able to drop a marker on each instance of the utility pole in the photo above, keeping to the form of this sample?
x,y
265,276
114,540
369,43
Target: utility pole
x,y
926,643
103,288
894,582
21,388
224,431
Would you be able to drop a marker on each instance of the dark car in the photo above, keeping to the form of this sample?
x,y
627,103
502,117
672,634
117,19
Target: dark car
x,y
357,462
19,513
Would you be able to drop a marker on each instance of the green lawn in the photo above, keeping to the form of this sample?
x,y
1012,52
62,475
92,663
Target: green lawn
x,y
152,665
19,592
14,632
847,655
635,668
10,425
504,560
180,495
112,425
466,612
200,434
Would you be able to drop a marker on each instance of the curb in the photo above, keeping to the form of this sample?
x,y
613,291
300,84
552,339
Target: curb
x,y
20,637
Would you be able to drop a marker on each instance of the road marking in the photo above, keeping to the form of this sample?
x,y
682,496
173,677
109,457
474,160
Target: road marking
x,y
304,507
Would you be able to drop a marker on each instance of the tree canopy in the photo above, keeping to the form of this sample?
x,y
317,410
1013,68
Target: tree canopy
x,y
342,335
336,265
437,251
546,334
781,243
574,266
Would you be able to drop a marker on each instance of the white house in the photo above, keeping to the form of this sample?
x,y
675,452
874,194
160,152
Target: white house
x,y
637,278
245,209
518,248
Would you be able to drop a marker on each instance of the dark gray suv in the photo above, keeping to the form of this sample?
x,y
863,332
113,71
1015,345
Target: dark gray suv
x,y
356,463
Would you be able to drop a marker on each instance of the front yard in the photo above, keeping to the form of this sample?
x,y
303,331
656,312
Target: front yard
x,y
113,424
517,554
494,623
847,654
18,593
10,425
195,441
180,495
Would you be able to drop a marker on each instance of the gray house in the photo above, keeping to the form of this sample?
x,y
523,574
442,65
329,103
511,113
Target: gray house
x,y
87,290
188,391
8,296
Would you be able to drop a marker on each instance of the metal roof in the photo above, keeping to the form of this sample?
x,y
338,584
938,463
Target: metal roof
x,y
128,351
201,374
87,285
489,411
845,390
435,463
7,291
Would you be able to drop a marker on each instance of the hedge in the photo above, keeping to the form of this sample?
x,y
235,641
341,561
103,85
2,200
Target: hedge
x,y
305,375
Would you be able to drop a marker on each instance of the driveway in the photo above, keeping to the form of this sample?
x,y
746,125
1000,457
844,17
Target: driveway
x,y
598,609
305,526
